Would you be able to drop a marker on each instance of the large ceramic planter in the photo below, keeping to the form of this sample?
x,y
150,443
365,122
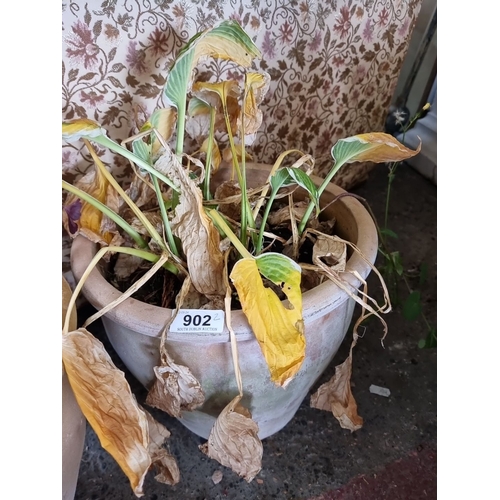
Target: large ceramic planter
x,y
134,329
73,421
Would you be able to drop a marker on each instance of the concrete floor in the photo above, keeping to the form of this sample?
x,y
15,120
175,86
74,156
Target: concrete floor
x,y
392,457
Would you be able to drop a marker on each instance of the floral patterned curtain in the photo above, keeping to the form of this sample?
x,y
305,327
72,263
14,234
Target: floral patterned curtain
x,y
334,65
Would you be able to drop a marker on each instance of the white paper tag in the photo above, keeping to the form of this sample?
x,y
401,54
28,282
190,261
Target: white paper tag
x,y
198,320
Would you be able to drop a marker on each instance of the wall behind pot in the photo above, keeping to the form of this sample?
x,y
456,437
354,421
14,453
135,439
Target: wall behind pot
x,y
334,66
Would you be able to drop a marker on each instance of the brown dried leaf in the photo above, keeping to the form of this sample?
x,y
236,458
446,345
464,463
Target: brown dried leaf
x,y
226,190
200,239
160,457
141,191
282,216
233,441
108,404
336,396
126,265
331,251
175,389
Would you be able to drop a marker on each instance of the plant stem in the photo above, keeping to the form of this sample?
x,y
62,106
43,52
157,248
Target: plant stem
x,y
206,183
106,142
164,215
321,188
222,225
138,213
258,246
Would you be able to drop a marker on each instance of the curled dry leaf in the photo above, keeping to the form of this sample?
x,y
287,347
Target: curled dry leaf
x,y
256,87
175,389
160,457
336,396
108,404
200,239
331,251
226,190
282,216
233,441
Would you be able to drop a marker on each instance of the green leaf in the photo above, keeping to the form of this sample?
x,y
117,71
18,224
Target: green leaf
x,y
304,181
412,307
388,232
396,260
227,40
276,267
279,179
142,150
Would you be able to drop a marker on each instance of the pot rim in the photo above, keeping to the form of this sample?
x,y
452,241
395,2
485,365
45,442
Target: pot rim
x,y
150,320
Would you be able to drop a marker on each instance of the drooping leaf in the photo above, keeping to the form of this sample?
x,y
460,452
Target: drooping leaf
x,y
376,147
412,306
227,40
256,87
233,441
105,398
336,396
90,218
279,330
228,92
175,388
200,239
163,120
161,459
74,130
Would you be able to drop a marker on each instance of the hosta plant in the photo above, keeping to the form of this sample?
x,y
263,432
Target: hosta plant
x,y
219,246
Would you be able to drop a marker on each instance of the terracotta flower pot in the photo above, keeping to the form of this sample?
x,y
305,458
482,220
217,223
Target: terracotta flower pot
x,y
73,421
134,329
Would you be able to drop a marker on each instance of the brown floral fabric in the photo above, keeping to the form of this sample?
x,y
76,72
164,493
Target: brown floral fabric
x,y
333,64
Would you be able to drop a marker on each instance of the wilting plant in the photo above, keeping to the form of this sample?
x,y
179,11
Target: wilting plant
x,y
217,246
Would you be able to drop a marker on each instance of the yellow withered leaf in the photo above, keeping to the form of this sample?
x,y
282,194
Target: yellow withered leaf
x,y
216,155
74,130
279,330
377,147
108,404
256,86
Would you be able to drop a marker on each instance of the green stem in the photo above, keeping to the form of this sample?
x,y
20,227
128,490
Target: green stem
x,y
311,205
267,210
106,142
208,166
106,211
224,227
166,222
138,213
